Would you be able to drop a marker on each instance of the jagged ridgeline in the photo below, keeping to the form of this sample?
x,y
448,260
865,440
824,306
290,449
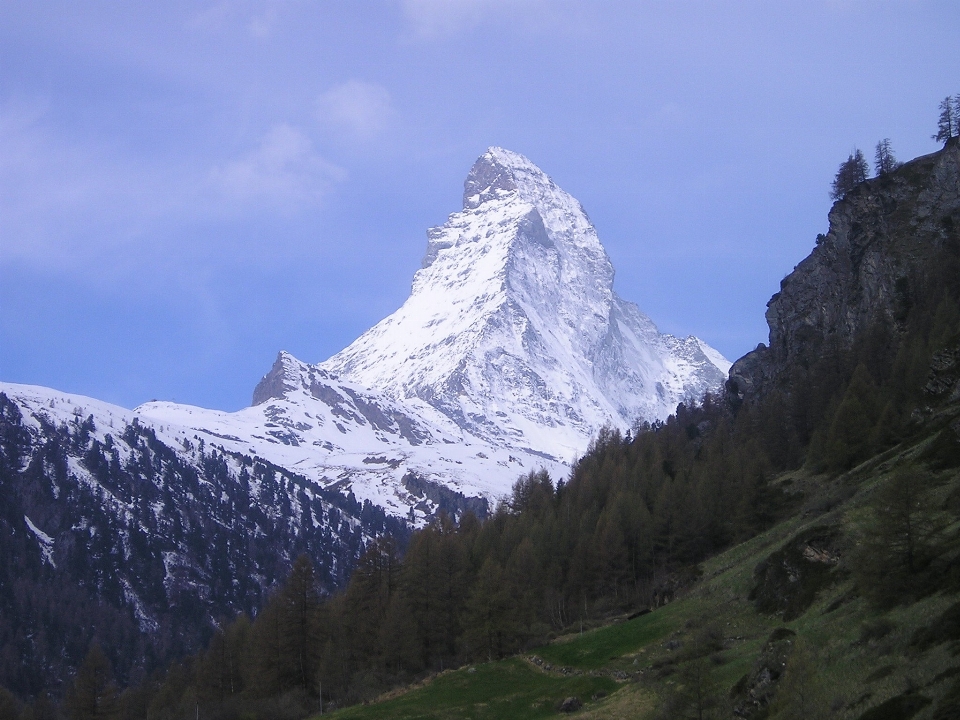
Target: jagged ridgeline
x,y
840,442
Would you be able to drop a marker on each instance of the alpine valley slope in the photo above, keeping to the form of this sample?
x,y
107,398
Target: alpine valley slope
x,y
511,352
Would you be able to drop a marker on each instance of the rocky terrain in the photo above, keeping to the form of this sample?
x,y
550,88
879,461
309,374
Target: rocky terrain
x,y
889,239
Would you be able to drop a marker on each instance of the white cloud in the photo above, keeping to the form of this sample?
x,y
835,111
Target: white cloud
x,y
284,171
259,16
433,18
356,110
69,202
442,18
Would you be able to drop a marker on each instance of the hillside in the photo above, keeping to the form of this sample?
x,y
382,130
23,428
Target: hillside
x,y
845,602
784,625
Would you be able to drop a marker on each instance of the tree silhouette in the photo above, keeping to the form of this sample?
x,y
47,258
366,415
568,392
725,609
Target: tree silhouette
x,y
299,603
851,173
94,694
884,161
947,123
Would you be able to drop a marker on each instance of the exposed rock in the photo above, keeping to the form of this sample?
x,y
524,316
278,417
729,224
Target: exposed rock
x,y
273,385
449,501
943,381
790,578
885,240
753,692
571,704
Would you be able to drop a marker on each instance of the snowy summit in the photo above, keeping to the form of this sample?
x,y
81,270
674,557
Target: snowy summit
x,y
513,329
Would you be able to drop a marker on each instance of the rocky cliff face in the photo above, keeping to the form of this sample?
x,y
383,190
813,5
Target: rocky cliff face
x,y
886,243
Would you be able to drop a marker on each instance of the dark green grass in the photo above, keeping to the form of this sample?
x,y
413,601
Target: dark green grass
x,y
507,689
596,648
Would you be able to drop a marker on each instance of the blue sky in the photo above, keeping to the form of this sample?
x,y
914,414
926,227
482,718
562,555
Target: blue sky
x,y
188,187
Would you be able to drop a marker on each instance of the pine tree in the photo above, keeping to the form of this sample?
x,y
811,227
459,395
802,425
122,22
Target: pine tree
x,y
94,694
851,173
299,603
800,694
900,539
9,706
490,625
850,434
884,161
696,695
948,120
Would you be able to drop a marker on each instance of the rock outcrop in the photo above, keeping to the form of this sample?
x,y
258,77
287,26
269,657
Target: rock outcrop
x,y
887,241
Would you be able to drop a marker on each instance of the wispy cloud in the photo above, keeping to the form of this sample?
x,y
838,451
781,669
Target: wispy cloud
x,y
430,19
258,16
284,171
68,202
433,18
355,110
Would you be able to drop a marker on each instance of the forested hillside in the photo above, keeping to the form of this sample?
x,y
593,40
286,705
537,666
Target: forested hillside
x,y
109,535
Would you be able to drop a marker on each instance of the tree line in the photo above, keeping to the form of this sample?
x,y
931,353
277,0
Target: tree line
x,y
855,169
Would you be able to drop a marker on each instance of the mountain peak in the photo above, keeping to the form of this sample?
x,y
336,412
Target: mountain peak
x,y
513,331
499,173
496,173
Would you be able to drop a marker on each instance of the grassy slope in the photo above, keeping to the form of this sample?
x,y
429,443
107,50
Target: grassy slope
x,y
625,669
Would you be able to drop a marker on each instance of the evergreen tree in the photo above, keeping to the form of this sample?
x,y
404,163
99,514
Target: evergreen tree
x,y
298,604
947,123
851,173
9,706
93,695
884,160
848,439
696,696
490,623
800,694
220,672
900,539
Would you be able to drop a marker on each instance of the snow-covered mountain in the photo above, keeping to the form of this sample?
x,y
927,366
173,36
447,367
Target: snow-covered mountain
x,y
511,352
513,329
406,457
145,535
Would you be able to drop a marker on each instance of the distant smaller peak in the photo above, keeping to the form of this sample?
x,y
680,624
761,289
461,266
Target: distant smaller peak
x,y
281,378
